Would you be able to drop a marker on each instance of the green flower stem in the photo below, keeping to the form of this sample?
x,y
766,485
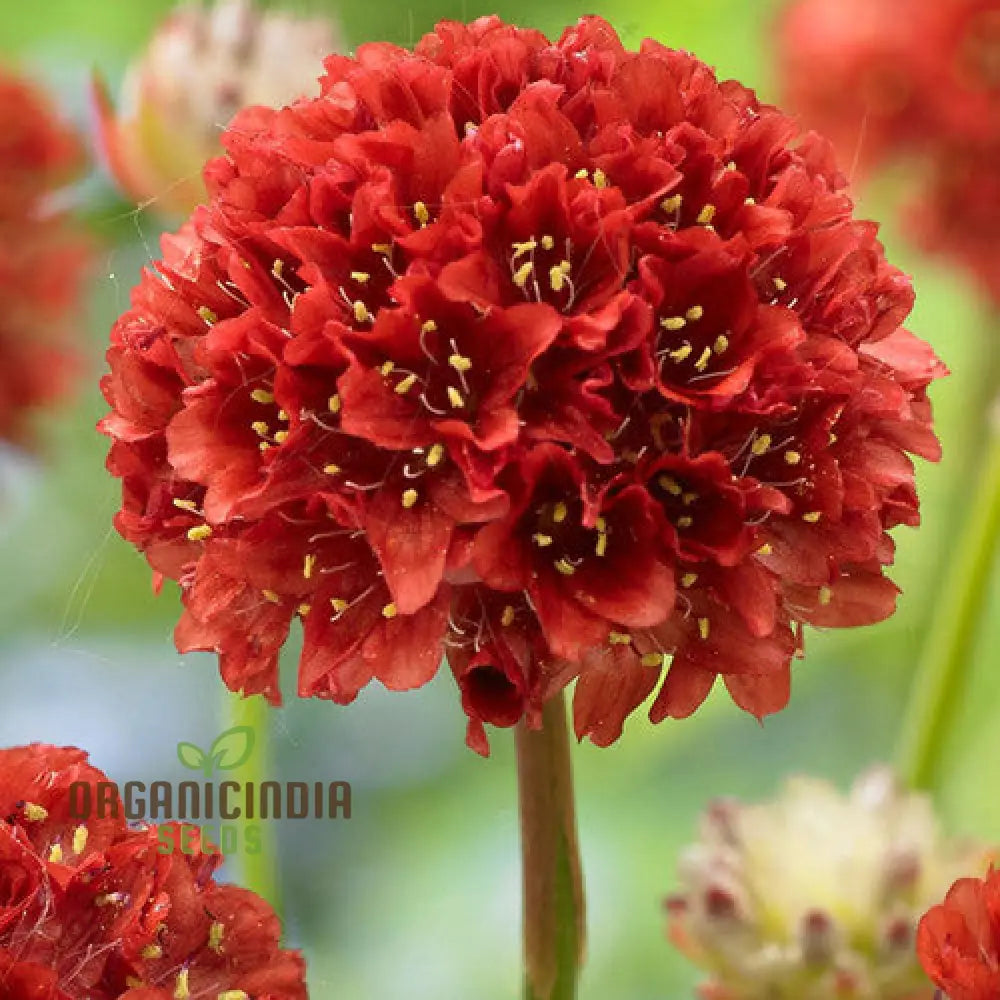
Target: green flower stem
x,y
257,871
553,882
954,626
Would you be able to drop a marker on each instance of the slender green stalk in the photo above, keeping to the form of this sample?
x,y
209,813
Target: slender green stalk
x,y
258,870
554,915
954,626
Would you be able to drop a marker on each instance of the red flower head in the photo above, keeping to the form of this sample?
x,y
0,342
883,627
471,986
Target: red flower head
x,y
42,256
557,358
91,910
925,86
958,941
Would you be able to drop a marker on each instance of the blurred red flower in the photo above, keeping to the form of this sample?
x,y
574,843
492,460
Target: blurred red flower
x,y
925,86
958,941
90,909
556,357
43,256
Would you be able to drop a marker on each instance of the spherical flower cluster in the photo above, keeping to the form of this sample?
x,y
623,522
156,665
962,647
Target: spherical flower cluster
x,y
558,358
925,86
202,65
42,255
959,940
91,910
816,895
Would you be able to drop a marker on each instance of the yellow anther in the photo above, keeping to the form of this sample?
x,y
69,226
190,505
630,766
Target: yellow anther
x,y
55,854
233,995
207,315
404,386
361,313
361,277
435,454
199,533
565,567
702,363
429,326
582,174
410,497
766,549
557,279
261,427
182,991
262,396
812,516
308,565
673,323
721,344
792,457
151,952
669,484
689,498
780,284
689,580
704,627
672,205
652,660
706,215
602,544
304,609
685,522
619,638
387,367
272,596
389,611
455,398
565,266
382,248
749,201
331,469
281,437
730,166
825,595
542,541
459,362
263,445
333,403
283,415
695,313
521,275
832,439
277,267
216,931
507,618
80,835
600,178
560,512
421,214
761,445
601,524
338,604
548,242
520,249
682,353
185,504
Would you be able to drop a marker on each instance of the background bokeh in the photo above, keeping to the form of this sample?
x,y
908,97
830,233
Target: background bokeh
x,y
417,896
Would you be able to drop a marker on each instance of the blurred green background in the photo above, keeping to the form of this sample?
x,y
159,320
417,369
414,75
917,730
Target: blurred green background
x,y
417,896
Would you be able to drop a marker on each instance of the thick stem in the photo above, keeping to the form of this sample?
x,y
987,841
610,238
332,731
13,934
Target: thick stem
x,y
257,871
954,627
554,916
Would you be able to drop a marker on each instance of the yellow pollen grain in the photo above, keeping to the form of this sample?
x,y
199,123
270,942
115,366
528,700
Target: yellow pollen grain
x,y
557,279
702,363
669,484
582,174
730,166
199,533
389,611
207,315
685,522
233,995
333,403
689,580
421,214
619,638
766,549
812,516
706,215
403,387
520,249
521,275
548,242
361,277
435,455
410,497
361,313
262,396
382,248
780,284
602,544
704,627
283,415
507,618
825,595
600,178
673,323
277,267
55,854
560,512
565,567
185,504
338,604
272,596
672,204
682,353
263,445
304,609
281,437
761,445
542,541
429,326
80,836
260,427
331,469
182,991
387,367
721,344
695,313
455,398
652,660
308,565
792,457
459,362
215,935
151,952
749,201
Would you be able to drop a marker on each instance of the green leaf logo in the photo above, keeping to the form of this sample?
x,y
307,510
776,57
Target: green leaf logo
x,y
230,750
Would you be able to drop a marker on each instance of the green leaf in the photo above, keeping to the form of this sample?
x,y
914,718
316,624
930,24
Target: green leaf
x,y
233,748
191,756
